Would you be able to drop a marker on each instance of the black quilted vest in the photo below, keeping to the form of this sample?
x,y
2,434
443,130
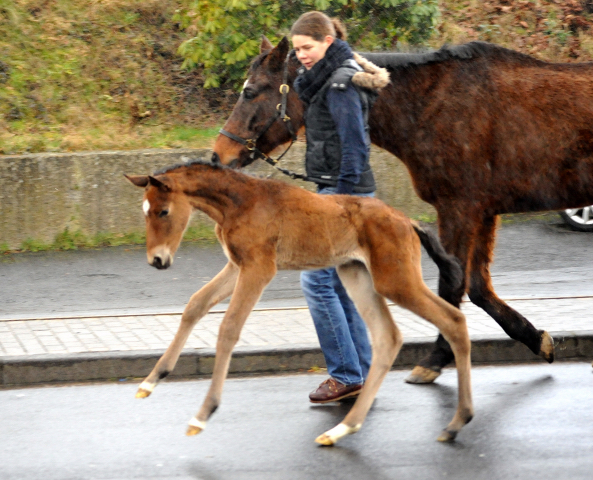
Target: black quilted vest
x,y
324,148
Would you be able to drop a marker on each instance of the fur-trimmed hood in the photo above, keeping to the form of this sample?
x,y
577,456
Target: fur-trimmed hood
x,y
373,77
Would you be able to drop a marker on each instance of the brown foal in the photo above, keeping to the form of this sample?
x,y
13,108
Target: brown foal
x,y
265,226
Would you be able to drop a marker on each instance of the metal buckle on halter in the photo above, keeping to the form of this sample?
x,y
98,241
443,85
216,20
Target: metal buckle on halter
x,y
284,89
250,144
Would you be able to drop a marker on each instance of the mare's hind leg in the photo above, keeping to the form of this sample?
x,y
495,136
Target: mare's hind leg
x,y
200,303
482,294
250,285
386,339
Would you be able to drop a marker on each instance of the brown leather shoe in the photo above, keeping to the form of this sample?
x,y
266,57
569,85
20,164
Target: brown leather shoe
x,y
331,391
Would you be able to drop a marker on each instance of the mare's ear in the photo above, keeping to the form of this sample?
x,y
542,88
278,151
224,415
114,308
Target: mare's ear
x,y
278,55
155,182
266,45
138,180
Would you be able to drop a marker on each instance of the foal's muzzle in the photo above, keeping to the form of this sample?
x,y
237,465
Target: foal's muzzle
x,y
160,263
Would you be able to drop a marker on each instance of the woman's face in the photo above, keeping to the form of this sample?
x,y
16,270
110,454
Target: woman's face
x,y
308,50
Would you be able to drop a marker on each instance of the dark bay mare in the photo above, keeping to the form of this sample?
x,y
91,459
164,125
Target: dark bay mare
x,y
482,130
265,226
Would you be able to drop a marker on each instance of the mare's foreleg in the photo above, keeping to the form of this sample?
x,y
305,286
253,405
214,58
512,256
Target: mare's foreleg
x,y
386,340
250,285
482,294
457,240
219,288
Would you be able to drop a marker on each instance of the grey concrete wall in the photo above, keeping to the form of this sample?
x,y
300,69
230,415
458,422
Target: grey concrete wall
x,y
43,194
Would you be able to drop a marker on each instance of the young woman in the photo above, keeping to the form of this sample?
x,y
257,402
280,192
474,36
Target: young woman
x,y
337,159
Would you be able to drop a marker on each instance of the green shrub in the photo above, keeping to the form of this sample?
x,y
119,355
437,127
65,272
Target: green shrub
x,y
227,32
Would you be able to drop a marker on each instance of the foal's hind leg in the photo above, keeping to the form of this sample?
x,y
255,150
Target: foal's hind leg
x,y
451,323
200,303
386,340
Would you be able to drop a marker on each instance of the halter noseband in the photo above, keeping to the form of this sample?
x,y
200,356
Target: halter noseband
x,y
250,143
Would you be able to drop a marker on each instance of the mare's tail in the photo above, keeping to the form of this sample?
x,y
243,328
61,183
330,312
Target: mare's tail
x,y
449,266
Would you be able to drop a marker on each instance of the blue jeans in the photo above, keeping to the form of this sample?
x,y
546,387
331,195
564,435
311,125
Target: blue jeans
x,y
341,331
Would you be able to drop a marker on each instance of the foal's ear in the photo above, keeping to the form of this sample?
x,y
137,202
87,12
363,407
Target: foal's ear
x,y
155,182
278,55
266,45
138,180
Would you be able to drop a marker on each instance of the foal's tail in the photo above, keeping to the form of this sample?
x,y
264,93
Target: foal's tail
x,y
449,266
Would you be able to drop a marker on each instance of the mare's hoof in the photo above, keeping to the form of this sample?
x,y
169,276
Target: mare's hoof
x,y
141,393
546,349
447,436
422,375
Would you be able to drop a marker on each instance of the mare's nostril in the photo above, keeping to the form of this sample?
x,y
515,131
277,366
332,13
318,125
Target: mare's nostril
x,y
215,158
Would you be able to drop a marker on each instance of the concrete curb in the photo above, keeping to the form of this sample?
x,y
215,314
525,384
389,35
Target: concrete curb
x,y
43,369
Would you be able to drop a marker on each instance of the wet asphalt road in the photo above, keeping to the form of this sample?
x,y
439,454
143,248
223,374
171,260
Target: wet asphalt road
x,y
531,422
531,260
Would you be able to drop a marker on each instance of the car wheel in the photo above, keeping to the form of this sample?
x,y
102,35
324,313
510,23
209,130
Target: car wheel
x,y
579,218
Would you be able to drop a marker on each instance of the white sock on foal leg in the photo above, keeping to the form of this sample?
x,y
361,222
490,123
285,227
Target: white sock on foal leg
x,y
332,436
195,426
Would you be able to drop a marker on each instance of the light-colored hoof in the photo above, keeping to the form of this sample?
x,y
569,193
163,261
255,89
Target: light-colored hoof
x,y
324,439
195,427
141,393
546,350
447,436
422,375
339,431
191,431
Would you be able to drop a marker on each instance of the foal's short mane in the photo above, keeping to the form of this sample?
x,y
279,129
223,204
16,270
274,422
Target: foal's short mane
x,y
447,52
190,163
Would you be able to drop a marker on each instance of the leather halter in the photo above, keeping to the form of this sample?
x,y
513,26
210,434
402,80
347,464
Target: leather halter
x,y
250,143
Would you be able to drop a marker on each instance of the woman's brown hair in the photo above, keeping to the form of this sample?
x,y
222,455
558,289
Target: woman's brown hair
x,y
317,25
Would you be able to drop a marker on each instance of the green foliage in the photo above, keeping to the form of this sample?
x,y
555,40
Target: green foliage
x,y
68,240
227,32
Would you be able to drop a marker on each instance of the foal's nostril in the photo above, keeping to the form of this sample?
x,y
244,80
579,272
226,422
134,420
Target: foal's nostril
x,y
215,158
157,262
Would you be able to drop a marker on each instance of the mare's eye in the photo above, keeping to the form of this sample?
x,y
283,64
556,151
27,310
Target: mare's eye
x,y
249,94
163,213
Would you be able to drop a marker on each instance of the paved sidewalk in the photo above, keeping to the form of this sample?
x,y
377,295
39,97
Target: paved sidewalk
x,y
77,349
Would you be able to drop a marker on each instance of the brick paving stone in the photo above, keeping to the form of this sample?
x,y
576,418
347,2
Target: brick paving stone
x,y
267,329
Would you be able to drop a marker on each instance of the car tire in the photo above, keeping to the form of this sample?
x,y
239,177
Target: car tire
x,y
580,219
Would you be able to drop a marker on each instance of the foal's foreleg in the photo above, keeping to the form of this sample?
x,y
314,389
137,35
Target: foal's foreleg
x,y
250,285
386,339
219,288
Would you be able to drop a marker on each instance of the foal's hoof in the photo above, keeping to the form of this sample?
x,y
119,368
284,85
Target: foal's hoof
x,y
422,375
141,393
339,431
546,349
195,427
447,436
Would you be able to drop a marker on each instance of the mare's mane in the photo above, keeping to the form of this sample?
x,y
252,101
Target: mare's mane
x,y
446,53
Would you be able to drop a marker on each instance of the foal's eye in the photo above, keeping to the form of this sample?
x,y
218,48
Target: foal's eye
x,y
249,94
163,213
